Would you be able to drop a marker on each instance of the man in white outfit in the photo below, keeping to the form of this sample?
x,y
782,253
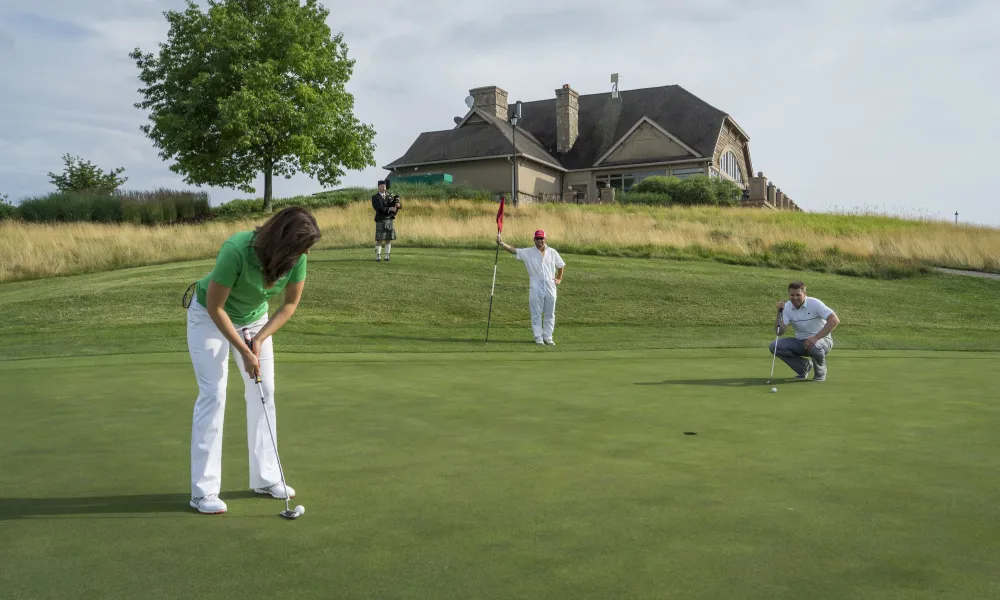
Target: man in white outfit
x,y
545,270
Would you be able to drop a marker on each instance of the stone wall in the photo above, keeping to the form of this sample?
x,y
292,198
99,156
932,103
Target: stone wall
x,y
762,193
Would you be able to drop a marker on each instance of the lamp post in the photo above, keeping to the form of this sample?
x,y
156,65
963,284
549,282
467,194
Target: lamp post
x,y
515,116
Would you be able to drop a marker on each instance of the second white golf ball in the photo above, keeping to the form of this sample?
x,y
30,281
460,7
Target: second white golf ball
x,y
774,390
300,509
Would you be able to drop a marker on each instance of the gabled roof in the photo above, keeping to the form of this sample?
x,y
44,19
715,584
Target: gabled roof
x,y
527,144
486,137
603,121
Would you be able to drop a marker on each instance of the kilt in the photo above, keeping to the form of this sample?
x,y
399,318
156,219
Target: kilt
x,y
385,230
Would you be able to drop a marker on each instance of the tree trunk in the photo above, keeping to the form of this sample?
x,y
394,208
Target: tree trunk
x,y
268,183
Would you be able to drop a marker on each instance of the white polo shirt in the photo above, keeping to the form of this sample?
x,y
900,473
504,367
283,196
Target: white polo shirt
x,y
541,267
807,320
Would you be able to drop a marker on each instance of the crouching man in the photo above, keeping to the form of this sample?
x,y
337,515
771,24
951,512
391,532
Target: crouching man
x,y
814,323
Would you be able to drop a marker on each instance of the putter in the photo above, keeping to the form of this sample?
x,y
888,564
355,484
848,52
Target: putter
x,y
777,334
288,513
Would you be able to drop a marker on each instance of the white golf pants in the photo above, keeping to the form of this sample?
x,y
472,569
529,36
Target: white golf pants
x,y
542,302
210,351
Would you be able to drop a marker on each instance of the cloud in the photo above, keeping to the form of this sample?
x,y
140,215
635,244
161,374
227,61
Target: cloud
x,y
47,27
854,103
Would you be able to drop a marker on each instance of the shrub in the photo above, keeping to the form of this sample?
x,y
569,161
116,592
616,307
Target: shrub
x,y
655,185
648,199
727,193
7,210
345,196
439,191
57,207
146,208
693,191
83,176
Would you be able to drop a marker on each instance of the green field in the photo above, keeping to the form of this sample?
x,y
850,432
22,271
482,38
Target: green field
x,y
434,466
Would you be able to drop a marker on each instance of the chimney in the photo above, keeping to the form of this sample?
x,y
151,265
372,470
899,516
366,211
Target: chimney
x,y
490,99
567,118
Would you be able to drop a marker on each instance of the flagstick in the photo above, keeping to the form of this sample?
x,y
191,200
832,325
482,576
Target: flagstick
x,y
496,259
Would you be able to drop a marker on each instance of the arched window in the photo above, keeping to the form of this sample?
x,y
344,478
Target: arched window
x,y
731,166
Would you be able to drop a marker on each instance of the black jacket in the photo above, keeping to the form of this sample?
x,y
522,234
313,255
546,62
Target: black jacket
x,y
382,206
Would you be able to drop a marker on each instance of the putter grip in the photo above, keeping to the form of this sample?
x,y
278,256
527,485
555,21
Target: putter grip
x,y
249,343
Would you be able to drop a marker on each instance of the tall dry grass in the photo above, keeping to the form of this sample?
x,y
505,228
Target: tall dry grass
x,y
798,240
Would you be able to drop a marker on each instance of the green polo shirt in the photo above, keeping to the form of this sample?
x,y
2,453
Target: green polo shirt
x,y
238,268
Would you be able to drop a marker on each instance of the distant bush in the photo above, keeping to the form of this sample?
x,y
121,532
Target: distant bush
x,y
696,190
83,176
647,199
655,185
438,191
138,207
727,193
246,207
343,197
7,210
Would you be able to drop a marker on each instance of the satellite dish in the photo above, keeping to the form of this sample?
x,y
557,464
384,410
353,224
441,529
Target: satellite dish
x,y
458,120
470,101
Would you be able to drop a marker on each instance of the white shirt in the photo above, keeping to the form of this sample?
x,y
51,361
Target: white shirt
x,y
541,267
808,319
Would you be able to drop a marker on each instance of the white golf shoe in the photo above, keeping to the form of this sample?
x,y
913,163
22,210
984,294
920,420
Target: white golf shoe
x,y
550,342
540,341
209,505
277,491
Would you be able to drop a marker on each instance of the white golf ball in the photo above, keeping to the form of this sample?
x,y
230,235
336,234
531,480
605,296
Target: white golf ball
x,y
301,510
774,390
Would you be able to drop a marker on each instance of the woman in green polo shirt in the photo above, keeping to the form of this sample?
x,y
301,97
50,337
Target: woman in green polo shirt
x,y
252,266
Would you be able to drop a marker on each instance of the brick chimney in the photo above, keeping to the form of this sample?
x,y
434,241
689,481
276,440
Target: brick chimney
x,y
567,118
491,99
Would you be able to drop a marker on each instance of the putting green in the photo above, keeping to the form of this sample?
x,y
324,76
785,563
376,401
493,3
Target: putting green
x,y
526,474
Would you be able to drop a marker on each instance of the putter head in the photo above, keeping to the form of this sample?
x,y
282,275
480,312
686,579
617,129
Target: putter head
x,y
289,514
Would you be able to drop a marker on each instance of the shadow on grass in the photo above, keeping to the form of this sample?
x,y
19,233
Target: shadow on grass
x,y
735,382
119,506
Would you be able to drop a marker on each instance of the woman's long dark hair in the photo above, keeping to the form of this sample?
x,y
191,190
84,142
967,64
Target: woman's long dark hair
x,y
280,241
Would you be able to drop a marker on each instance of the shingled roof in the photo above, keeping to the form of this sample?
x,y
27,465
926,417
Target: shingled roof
x,y
603,122
487,136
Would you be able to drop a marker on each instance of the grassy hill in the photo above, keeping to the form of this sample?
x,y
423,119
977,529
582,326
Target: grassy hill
x,y
436,300
857,245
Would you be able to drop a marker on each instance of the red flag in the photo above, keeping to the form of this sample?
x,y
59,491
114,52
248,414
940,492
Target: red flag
x,y
500,216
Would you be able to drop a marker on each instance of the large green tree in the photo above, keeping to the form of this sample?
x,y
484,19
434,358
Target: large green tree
x,y
253,86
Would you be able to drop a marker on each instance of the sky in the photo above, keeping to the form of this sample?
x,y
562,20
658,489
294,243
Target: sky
x,y
883,105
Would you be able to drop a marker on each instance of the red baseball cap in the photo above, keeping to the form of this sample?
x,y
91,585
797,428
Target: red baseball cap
x,y
539,234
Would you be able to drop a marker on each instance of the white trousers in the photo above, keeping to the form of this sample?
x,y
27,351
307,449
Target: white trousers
x,y
542,302
210,351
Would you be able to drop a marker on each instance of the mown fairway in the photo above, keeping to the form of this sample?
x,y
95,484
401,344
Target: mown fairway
x,y
432,466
